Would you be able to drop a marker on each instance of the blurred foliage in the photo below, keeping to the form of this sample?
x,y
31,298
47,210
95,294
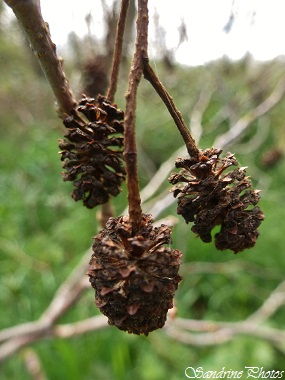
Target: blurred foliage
x,y
44,232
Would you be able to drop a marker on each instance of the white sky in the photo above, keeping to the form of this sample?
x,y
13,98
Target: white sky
x,y
259,25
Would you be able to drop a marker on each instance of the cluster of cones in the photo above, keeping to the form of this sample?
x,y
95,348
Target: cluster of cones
x,y
135,273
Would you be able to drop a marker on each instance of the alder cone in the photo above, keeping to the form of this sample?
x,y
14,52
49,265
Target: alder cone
x,y
92,153
209,197
94,73
134,277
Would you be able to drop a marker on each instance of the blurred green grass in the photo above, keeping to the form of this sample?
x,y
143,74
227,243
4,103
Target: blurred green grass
x,y
44,232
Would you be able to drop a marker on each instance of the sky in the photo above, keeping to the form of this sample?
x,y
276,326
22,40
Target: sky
x,y
215,28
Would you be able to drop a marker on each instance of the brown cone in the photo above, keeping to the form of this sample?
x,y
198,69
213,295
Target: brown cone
x,y
134,277
92,155
208,197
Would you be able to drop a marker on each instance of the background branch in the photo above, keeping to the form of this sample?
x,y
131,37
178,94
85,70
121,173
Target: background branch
x,y
33,364
118,50
188,331
197,112
221,332
236,130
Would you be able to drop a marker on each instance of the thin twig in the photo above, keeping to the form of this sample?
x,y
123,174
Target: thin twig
x,y
130,151
28,13
81,327
118,49
190,143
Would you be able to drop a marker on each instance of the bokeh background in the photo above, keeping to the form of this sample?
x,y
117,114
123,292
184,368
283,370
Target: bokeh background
x,y
44,233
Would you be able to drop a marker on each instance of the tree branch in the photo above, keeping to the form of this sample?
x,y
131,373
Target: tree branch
x,y
28,13
118,50
130,151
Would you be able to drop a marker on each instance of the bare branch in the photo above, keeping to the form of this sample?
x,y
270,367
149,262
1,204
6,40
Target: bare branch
x,y
28,328
82,327
28,13
130,151
205,339
118,49
13,345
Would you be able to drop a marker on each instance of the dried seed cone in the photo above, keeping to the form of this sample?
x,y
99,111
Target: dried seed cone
x,y
134,277
208,197
92,153
94,73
